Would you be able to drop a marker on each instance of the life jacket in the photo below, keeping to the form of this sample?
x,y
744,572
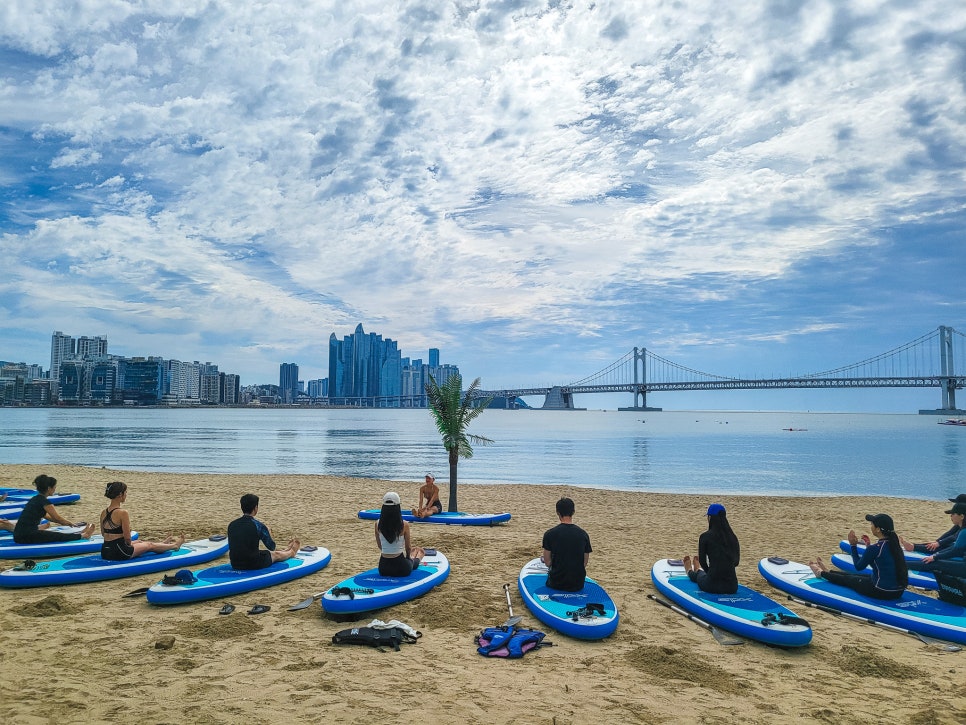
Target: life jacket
x,y
509,642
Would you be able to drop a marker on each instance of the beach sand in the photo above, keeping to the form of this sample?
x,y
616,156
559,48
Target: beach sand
x,y
83,653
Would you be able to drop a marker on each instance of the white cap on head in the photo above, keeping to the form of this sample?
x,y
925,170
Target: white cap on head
x,y
430,475
391,499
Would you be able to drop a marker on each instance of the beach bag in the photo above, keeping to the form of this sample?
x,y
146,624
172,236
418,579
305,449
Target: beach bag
x,y
952,589
374,637
509,642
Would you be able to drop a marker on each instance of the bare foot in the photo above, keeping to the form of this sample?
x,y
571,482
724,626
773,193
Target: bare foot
x,y
816,569
88,531
295,545
179,541
687,563
821,564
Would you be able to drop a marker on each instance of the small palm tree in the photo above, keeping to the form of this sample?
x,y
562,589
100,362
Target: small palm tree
x,y
453,410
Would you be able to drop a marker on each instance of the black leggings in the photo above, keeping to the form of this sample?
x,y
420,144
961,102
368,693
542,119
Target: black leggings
x,y
706,584
943,566
42,536
397,565
861,584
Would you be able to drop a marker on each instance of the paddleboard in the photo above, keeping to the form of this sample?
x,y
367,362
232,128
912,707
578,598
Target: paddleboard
x,y
12,550
92,568
11,512
371,590
569,613
746,612
447,517
911,557
224,581
921,579
914,612
20,496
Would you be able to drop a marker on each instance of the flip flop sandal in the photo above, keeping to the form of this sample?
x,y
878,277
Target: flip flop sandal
x,y
227,609
259,609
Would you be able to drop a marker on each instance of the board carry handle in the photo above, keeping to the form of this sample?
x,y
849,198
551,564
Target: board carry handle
x,y
947,646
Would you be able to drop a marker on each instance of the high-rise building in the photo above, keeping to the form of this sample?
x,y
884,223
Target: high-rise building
x,y
434,357
364,366
288,383
61,348
91,348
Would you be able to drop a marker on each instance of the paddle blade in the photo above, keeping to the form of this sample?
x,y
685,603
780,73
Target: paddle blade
x,y
136,592
307,602
726,638
513,621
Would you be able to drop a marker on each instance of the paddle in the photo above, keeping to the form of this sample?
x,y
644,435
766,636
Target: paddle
x,y
942,644
306,602
720,635
512,621
136,593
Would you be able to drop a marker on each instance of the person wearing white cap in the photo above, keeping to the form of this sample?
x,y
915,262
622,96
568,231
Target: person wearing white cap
x,y
428,492
399,557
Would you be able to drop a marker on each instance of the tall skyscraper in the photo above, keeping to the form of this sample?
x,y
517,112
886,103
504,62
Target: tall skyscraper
x,y
288,383
61,348
364,366
434,357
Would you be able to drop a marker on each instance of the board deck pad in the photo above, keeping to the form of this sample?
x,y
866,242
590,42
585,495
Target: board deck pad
x,y
747,613
567,612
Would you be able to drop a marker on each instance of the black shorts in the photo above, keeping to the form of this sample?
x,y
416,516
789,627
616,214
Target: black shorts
x,y
397,565
260,561
116,550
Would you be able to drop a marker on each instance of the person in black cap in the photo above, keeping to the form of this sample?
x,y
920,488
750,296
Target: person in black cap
x,y
713,569
950,559
889,573
941,542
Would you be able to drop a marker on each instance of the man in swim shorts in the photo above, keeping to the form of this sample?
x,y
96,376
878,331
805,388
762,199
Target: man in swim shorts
x,y
244,535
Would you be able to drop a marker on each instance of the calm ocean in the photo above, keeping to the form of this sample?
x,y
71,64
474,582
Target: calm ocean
x,y
689,451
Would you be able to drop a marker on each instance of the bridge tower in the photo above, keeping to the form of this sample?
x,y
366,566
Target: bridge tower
x,y
947,375
640,381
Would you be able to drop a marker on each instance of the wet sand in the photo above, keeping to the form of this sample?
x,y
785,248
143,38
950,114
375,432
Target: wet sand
x,y
83,653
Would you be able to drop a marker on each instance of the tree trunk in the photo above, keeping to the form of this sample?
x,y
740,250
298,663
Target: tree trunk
x,y
454,459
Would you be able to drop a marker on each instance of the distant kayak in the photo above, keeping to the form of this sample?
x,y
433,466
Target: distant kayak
x,y
458,518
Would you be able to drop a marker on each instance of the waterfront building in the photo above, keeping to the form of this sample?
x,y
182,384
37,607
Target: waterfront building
x,y
61,348
103,382
72,387
363,366
142,380
210,392
229,388
288,383
317,388
434,357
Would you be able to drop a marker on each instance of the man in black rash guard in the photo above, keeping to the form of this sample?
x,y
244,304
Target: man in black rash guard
x,y
244,535
566,551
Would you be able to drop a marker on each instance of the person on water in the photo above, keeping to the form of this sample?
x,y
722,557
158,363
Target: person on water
x,y
116,530
398,557
566,550
885,557
713,568
951,559
244,535
941,542
428,492
29,530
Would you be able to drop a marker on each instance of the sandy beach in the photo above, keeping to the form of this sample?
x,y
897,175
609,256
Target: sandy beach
x,y
83,653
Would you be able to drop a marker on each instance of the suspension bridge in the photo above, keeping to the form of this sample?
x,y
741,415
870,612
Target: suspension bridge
x,y
927,362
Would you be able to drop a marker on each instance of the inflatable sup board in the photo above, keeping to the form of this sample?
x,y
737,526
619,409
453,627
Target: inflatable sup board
x,y
447,517
11,550
921,579
224,581
92,568
914,612
587,614
911,557
11,512
20,496
746,612
371,590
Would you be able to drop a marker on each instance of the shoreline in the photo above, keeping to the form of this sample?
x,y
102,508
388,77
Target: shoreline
x,y
82,653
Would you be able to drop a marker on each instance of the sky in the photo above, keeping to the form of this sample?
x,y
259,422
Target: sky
x,y
758,189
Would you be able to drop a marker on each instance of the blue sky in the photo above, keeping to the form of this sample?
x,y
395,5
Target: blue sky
x,y
770,189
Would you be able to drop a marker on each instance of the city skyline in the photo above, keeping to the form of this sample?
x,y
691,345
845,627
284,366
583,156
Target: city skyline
x,y
759,190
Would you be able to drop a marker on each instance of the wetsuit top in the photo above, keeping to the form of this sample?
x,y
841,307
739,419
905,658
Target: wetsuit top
x,y
392,548
244,533
945,540
954,552
718,563
567,544
108,530
878,556
33,512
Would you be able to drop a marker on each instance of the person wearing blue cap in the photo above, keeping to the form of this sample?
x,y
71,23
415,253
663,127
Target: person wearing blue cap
x,y
884,556
713,568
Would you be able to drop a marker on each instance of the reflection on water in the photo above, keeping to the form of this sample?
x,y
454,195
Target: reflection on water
x,y
903,455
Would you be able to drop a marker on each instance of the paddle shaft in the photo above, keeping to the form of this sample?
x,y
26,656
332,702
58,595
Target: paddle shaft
x,y
697,620
884,625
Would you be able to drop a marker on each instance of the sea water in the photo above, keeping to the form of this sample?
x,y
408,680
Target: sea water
x,y
788,454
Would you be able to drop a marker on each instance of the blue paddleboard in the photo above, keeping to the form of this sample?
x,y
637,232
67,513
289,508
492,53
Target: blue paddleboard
x,y
11,512
224,581
20,496
746,612
12,550
447,517
914,612
923,580
92,568
371,590
911,557
567,612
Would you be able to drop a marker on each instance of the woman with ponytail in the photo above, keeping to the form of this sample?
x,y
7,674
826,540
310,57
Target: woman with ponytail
x,y
884,556
713,569
116,529
29,529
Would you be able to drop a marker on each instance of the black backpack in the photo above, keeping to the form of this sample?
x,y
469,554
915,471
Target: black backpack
x,y
390,637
